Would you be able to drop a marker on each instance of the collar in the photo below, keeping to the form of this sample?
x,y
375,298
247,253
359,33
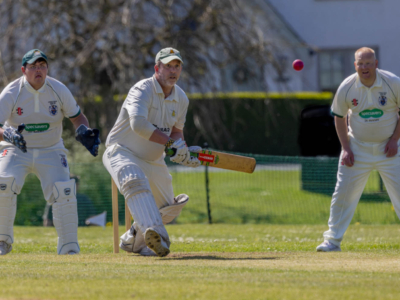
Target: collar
x,y
172,97
377,83
31,89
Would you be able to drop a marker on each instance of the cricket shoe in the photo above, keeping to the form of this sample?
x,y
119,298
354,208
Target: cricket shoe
x,y
327,246
155,242
5,248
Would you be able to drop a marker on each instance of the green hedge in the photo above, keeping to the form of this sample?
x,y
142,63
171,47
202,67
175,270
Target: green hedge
x,y
264,123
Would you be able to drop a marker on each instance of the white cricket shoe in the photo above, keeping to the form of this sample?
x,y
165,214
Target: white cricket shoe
x,y
5,248
327,246
156,243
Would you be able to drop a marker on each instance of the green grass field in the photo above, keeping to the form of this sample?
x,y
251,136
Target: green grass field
x,y
208,262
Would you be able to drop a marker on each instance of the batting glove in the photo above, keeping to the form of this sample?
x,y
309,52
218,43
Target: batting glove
x,y
181,151
89,138
15,137
192,161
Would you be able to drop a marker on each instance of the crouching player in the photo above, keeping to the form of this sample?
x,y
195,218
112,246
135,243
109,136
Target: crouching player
x,y
39,103
151,119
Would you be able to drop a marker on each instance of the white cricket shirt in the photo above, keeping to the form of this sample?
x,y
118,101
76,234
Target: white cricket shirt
x,y
146,99
373,112
41,110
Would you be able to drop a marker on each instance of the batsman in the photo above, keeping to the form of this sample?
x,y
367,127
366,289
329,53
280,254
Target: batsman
x,y
151,119
32,110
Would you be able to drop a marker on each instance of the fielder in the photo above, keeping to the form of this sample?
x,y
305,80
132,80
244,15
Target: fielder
x,y
39,103
151,120
370,99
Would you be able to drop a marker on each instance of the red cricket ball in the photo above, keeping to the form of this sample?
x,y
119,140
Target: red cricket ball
x,y
298,65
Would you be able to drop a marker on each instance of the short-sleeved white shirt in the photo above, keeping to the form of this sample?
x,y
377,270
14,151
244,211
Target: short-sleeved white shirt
x,y
41,110
373,112
146,99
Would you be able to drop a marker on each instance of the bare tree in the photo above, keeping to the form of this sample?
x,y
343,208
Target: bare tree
x,y
99,48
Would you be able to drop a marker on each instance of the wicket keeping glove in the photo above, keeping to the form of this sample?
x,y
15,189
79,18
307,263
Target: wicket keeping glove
x,y
15,137
89,138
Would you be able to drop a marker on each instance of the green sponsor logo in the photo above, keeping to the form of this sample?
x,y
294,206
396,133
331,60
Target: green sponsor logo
x,y
37,127
373,113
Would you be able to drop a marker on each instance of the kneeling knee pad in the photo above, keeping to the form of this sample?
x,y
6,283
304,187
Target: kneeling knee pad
x,y
65,216
8,208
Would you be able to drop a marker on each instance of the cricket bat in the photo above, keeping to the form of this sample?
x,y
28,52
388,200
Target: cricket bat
x,y
223,160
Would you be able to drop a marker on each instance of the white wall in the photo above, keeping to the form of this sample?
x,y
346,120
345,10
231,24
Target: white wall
x,y
347,23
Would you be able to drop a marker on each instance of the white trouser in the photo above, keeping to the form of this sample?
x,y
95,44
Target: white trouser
x,y
351,182
49,165
157,174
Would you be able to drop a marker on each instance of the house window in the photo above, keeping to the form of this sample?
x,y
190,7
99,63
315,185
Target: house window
x,y
334,66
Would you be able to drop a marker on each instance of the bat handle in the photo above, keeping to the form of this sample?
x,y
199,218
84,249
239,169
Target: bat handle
x,y
171,152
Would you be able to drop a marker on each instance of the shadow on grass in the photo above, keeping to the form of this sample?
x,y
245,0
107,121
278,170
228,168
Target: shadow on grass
x,y
213,257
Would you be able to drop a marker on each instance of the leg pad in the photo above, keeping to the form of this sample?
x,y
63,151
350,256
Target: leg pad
x,y
65,217
8,209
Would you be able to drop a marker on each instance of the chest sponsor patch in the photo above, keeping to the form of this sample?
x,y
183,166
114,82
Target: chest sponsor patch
x,y
162,129
37,127
371,113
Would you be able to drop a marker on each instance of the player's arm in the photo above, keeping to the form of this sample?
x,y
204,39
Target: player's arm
x,y
342,132
391,147
14,137
176,134
11,135
86,136
79,120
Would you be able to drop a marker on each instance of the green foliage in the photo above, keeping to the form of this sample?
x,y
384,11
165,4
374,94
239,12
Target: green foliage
x,y
262,123
262,96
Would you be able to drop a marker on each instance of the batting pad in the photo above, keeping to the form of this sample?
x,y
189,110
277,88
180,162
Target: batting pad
x,y
170,212
8,209
65,216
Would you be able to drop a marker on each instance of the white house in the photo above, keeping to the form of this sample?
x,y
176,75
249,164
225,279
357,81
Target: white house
x,y
336,28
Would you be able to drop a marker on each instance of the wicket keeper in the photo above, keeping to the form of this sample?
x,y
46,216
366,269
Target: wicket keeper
x,y
366,110
40,103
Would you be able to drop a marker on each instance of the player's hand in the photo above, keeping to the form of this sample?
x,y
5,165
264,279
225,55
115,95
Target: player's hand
x,y
391,148
15,137
192,161
181,151
89,138
347,158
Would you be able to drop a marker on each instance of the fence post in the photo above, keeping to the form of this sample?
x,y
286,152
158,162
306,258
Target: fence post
x,y
205,146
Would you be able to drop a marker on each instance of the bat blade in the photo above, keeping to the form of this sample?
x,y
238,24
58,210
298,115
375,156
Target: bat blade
x,y
227,161
223,160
